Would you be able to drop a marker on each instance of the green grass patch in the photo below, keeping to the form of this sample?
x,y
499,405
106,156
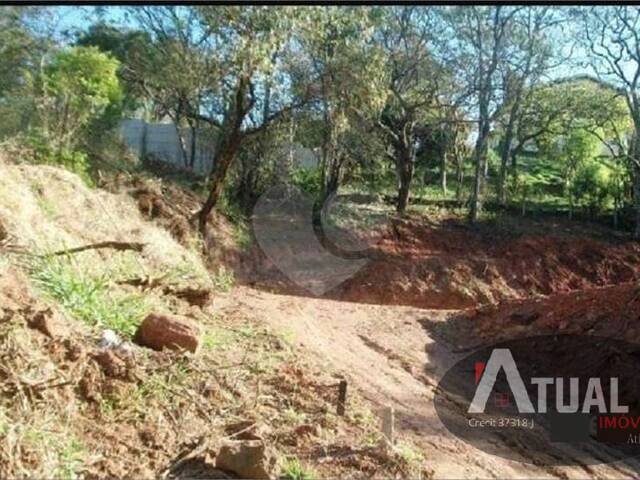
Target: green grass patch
x,y
88,297
293,469
224,279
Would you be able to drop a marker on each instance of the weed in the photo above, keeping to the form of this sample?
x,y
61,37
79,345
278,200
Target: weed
x,y
292,469
217,339
4,265
247,331
86,297
70,459
224,279
288,337
4,422
59,454
48,208
242,236
411,457
291,416
107,407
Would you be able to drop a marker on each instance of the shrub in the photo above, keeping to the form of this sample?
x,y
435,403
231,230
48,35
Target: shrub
x,y
309,180
42,151
591,186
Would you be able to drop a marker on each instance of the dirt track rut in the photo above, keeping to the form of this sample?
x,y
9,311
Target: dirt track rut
x,y
395,356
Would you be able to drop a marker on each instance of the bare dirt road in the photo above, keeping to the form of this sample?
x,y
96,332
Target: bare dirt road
x,y
395,356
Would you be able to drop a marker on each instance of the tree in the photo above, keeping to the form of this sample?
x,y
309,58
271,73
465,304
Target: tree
x,y
612,36
78,86
22,50
340,54
414,77
524,66
242,51
130,47
480,46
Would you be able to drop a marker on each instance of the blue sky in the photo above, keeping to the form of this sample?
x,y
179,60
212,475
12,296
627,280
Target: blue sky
x,y
74,18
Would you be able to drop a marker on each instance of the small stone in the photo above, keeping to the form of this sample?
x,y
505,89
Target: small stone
x,y
246,459
114,365
47,322
110,339
168,331
243,430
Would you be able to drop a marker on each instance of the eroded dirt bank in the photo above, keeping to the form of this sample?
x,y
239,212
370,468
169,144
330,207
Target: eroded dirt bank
x,y
432,292
272,359
452,265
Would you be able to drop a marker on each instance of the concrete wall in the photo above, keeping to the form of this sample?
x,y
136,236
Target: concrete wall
x,y
161,141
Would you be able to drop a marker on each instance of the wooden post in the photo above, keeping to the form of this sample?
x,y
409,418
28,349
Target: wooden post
x,y
342,397
388,424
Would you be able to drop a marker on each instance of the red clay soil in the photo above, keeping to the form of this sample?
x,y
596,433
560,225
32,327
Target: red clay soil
x,y
452,265
612,311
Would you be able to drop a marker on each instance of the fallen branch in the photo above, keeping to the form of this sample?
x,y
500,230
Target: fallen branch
x,y
121,246
146,283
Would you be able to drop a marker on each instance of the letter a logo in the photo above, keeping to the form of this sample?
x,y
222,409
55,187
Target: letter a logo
x,y
501,358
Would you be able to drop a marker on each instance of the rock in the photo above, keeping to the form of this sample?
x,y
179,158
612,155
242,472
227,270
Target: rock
x,y
110,339
243,430
111,364
244,458
47,322
168,331
75,350
199,297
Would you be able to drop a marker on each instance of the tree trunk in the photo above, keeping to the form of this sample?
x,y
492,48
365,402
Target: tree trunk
x,y
459,178
192,153
222,160
505,156
404,168
636,200
634,155
443,173
480,158
227,148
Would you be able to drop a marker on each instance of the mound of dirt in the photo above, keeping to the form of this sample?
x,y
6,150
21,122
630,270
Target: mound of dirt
x,y
72,406
49,209
450,265
174,208
612,311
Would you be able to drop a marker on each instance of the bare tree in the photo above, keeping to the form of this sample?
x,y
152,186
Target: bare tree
x,y
479,49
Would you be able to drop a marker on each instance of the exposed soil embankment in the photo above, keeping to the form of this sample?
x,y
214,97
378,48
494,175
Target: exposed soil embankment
x,y
456,266
612,311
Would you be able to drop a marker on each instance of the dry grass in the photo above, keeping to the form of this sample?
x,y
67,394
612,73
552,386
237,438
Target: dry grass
x,y
65,414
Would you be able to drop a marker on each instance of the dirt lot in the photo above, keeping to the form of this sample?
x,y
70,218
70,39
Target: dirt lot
x,y
433,291
272,353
